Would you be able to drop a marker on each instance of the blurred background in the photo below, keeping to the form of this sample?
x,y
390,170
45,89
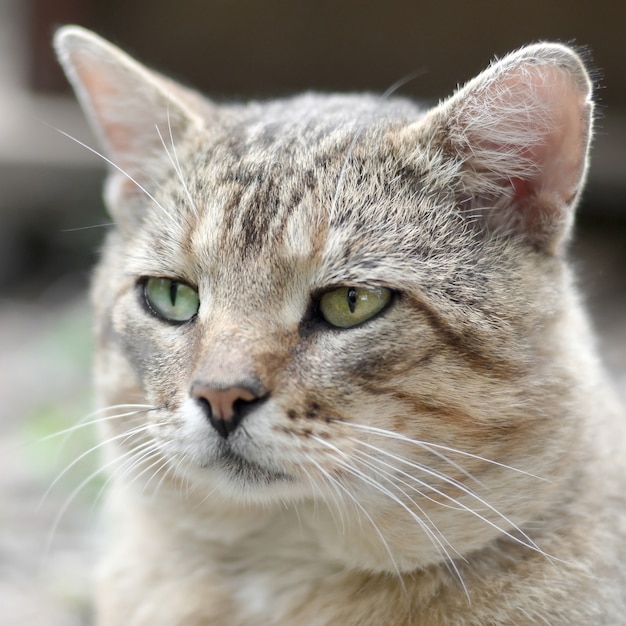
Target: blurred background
x,y
52,219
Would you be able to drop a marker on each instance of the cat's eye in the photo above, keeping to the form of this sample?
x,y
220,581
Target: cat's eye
x,y
171,300
348,306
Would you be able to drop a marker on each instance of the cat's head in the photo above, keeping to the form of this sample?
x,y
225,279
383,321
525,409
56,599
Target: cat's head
x,y
344,299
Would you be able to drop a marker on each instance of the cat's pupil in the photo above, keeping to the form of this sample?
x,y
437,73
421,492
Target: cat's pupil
x,y
173,292
351,299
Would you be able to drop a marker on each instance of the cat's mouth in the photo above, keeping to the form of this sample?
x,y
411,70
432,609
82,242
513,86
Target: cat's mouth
x,y
245,470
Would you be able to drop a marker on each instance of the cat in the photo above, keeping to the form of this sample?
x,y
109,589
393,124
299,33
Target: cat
x,y
347,373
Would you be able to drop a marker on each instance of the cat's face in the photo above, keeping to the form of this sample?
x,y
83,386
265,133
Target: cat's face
x,y
343,299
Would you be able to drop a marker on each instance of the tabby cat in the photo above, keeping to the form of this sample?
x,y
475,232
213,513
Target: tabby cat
x,y
347,374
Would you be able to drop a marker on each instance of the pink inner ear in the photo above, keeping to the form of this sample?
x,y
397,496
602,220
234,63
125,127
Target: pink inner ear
x,y
107,102
545,115
521,191
563,156
525,127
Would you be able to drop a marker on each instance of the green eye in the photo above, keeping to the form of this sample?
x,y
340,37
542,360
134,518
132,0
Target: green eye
x,y
348,306
171,300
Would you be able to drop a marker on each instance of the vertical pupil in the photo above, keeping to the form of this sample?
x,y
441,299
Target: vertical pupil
x,y
173,292
351,299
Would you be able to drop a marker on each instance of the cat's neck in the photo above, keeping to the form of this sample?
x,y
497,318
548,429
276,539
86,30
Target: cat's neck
x,y
273,562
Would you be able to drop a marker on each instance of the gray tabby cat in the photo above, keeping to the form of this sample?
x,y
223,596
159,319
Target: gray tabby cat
x,y
349,376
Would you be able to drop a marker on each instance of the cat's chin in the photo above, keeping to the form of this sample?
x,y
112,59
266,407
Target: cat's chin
x,y
245,472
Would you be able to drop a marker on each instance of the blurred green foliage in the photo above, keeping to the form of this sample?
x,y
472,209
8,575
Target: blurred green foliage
x,y
58,432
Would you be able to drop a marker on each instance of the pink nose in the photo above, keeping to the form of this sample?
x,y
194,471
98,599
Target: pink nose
x,y
223,406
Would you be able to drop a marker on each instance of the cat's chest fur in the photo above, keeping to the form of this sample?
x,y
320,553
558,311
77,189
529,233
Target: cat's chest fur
x,y
279,570
345,373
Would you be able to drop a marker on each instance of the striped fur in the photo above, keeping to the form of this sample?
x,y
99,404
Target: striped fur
x,y
457,459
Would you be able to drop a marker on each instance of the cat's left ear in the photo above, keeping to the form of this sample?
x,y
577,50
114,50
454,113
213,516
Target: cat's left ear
x,y
138,115
520,132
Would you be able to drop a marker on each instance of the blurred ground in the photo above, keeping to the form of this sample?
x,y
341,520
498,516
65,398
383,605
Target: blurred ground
x,y
45,554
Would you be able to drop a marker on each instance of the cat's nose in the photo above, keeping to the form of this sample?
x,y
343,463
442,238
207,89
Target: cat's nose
x,y
225,408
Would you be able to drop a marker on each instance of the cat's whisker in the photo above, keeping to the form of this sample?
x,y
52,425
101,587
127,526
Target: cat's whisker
x,y
431,531
171,469
434,448
160,462
176,164
124,173
525,540
296,510
179,174
142,453
61,512
119,470
69,500
77,229
333,506
336,504
416,442
395,472
184,479
383,97
430,528
370,462
205,499
125,435
418,466
401,82
352,498
88,421
535,617
164,465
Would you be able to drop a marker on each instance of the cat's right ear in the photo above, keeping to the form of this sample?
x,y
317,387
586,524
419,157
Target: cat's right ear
x,y
139,116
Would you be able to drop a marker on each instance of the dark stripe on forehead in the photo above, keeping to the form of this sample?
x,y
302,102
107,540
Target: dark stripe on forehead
x,y
247,217
262,199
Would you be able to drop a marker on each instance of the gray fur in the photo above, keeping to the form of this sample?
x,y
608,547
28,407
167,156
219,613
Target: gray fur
x,y
456,459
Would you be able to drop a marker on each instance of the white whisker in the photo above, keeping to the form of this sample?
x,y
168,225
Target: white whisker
x,y
159,463
91,227
525,541
206,497
342,173
175,161
431,533
125,435
433,447
184,479
395,472
87,421
120,472
171,469
68,501
119,169
361,508
336,504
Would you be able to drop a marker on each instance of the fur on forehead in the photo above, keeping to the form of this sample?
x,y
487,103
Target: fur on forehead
x,y
515,138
